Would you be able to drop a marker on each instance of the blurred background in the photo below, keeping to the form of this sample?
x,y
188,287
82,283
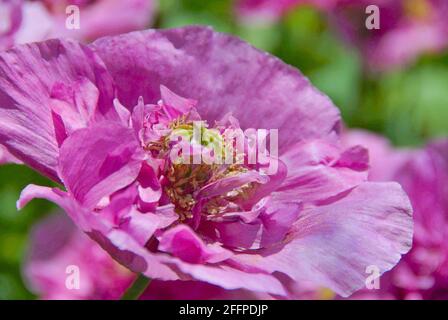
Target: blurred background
x,y
404,98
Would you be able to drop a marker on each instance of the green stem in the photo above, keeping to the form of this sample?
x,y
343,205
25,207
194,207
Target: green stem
x,y
137,288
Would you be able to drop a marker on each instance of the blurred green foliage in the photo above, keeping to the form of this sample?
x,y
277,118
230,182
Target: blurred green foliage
x,y
15,227
409,106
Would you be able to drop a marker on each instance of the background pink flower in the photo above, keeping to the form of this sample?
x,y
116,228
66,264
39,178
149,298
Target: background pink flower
x,y
26,21
10,17
423,272
101,18
55,246
408,29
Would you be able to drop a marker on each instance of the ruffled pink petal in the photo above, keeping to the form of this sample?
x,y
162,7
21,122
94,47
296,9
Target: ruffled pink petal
x,y
126,250
183,243
167,215
260,191
270,225
196,290
78,214
244,216
224,74
222,186
174,105
116,207
149,189
97,161
239,234
26,122
75,106
141,226
230,278
278,218
385,161
123,113
318,171
120,244
333,244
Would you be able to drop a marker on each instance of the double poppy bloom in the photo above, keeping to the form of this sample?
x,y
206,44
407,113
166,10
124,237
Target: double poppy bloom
x,y
99,120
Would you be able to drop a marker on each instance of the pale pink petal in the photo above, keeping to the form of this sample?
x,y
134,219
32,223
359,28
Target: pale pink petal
x,y
121,245
385,161
318,171
224,74
334,244
183,243
27,76
97,161
196,290
230,278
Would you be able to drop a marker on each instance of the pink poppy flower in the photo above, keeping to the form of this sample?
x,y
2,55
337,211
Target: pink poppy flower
x,y
25,21
100,119
423,272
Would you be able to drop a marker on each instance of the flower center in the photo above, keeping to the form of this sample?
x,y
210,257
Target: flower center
x,y
207,172
185,176
184,180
